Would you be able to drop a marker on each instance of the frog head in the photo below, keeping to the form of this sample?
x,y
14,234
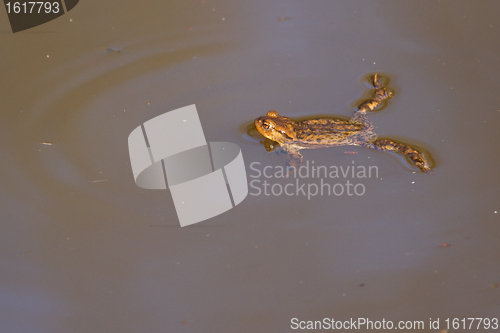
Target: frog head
x,y
275,127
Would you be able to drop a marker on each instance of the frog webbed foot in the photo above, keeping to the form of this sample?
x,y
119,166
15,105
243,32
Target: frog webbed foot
x,y
293,161
376,84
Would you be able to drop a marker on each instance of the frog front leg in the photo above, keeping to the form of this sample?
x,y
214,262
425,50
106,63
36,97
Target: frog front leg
x,y
294,160
270,145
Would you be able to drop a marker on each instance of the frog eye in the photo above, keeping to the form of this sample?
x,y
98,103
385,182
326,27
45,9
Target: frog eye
x,y
266,125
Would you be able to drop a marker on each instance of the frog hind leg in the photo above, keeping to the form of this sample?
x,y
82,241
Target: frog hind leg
x,y
381,94
416,157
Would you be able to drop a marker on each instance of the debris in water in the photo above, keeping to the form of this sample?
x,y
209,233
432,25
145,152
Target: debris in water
x,y
99,180
281,19
114,49
445,245
350,152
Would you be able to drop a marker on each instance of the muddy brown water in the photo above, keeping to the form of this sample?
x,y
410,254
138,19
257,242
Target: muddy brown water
x,y
83,249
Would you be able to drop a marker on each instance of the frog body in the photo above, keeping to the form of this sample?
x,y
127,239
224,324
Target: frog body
x,y
293,136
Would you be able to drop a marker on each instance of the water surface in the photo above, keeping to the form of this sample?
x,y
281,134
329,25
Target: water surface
x,y
83,249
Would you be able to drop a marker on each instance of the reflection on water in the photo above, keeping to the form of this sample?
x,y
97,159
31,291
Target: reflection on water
x,y
249,133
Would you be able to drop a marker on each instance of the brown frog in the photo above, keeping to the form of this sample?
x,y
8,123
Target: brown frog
x,y
293,136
